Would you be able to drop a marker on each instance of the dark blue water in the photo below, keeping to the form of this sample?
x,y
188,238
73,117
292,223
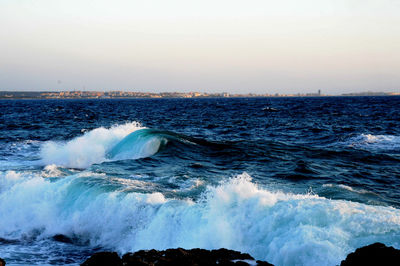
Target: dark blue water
x,y
289,180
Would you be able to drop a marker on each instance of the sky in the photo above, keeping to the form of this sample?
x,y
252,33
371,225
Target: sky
x,y
236,46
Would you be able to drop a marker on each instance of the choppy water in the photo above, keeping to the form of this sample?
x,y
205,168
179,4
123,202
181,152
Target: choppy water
x,y
292,181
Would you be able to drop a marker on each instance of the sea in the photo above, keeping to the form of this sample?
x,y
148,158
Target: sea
x,y
293,181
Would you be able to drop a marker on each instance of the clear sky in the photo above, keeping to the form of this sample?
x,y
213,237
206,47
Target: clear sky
x,y
260,46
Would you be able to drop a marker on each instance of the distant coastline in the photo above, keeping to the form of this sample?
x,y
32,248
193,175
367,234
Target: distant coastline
x,y
132,94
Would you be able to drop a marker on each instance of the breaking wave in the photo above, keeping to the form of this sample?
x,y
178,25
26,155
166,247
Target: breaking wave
x,y
85,150
128,141
282,228
141,143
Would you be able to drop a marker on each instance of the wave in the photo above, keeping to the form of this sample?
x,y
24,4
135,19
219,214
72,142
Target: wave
x,y
282,228
375,142
88,149
128,141
139,144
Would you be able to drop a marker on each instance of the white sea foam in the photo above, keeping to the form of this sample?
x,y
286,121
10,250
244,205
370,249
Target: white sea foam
x,y
284,229
8,179
51,170
375,142
85,150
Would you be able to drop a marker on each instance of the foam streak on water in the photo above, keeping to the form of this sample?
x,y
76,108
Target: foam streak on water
x,y
284,229
375,142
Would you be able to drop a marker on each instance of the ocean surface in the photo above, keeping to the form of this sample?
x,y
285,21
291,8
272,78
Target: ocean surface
x,y
293,181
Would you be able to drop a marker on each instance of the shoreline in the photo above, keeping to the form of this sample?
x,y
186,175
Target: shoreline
x,y
84,94
189,98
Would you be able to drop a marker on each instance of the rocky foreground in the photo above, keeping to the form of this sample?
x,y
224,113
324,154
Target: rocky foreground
x,y
376,254
178,256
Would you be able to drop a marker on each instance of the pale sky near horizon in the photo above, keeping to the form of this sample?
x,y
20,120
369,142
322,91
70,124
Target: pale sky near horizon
x,y
237,46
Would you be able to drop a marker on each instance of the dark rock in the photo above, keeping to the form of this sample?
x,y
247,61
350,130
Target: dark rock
x,y
142,257
375,254
103,259
180,256
62,238
2,262
8,241
174,257
263,263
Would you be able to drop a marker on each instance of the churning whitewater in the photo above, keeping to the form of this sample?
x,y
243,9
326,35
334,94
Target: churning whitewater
x,y
304,185
282,228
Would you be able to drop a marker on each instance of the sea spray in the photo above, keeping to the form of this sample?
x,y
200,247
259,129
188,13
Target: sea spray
x,y
282,228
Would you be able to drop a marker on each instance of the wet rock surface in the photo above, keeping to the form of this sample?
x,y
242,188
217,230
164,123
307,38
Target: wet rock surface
x,y
177,257
104,258
62,238
375,254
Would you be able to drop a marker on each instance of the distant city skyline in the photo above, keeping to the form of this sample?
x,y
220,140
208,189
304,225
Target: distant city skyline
x,y
235,46
136,94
